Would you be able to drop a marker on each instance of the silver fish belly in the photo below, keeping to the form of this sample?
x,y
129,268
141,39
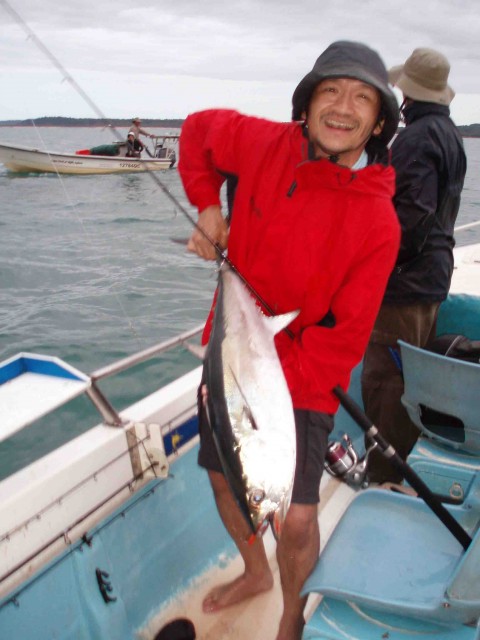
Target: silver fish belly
x,y
249,406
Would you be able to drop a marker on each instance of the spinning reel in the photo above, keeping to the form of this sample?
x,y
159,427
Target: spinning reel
x,y
342,461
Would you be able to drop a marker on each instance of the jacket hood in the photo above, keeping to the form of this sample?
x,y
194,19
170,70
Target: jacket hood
x,y
344,59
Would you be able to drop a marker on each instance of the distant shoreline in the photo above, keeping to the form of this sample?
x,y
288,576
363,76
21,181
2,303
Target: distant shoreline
x,y
59,121
466,130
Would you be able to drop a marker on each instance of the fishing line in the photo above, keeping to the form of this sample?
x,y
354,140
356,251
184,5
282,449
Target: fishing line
x,y
467,226
347,402
221,253
56,63
32,36
59,175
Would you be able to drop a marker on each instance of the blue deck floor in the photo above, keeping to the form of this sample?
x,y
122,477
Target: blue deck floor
x,y
163,537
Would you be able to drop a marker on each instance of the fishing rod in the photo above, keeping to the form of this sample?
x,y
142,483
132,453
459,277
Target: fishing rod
x,y
405,470
221,253
467,226
351,407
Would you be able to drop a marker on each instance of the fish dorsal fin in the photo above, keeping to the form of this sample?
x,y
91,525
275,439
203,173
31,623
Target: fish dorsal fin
x,y
196,349
275,324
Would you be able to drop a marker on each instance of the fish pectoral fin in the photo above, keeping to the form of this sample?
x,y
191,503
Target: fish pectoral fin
x,y
246,407
275,324
247,411
197,350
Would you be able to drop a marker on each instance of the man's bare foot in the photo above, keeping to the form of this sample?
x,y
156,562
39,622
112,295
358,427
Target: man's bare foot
x,y
242,588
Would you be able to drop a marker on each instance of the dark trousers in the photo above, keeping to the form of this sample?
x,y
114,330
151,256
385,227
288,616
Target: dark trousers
x,y
382,380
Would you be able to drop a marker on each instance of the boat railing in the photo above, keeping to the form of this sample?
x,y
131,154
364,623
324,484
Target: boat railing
x,y
109,414
165,146
146,354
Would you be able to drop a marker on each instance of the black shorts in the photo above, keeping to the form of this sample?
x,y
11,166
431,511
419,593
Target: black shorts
x,y
312,428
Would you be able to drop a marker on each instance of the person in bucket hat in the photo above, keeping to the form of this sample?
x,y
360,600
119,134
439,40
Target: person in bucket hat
x,y
430,166
424,77
312,228
136,128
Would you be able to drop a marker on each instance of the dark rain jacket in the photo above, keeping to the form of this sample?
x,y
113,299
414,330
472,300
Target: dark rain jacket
x,y
430,165
307,234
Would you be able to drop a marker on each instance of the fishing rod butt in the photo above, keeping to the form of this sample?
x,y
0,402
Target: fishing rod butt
x,y
406,471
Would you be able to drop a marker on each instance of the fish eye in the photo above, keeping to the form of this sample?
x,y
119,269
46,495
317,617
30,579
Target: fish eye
x,y
256,497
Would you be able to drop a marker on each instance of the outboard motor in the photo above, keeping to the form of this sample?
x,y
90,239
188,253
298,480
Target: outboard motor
x,y
160,151
167,153
342,461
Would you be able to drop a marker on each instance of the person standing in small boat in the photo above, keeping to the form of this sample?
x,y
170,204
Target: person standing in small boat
x,y
312,229
430,165
137,130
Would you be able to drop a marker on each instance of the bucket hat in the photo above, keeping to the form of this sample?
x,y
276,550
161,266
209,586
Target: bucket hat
x,y
424,77
345,59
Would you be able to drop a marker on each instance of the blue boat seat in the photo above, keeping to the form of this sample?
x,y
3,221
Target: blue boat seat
x,y
447,472
442,397
390,552
336,620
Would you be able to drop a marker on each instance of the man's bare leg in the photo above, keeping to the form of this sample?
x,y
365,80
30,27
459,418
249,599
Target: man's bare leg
x,y
257,576
297,553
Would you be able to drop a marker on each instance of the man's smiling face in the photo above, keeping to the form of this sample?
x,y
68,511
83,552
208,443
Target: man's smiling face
x,y
342,115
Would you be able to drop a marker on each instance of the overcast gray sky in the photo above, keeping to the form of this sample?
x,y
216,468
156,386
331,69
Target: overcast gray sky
x,y
167,58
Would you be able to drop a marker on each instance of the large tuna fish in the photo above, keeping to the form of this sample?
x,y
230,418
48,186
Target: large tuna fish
x,y
249,405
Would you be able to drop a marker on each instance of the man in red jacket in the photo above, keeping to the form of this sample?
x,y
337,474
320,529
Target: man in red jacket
x,y
312,228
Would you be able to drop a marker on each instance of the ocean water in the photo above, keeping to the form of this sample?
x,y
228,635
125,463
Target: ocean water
x,y
89,273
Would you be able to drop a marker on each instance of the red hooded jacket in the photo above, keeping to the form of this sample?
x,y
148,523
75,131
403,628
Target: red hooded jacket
x,y
307,234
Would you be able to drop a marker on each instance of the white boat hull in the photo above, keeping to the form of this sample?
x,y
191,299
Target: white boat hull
x,y
25,160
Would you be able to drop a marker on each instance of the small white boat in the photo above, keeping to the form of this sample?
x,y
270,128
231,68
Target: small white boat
x,y
115,533
26,160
